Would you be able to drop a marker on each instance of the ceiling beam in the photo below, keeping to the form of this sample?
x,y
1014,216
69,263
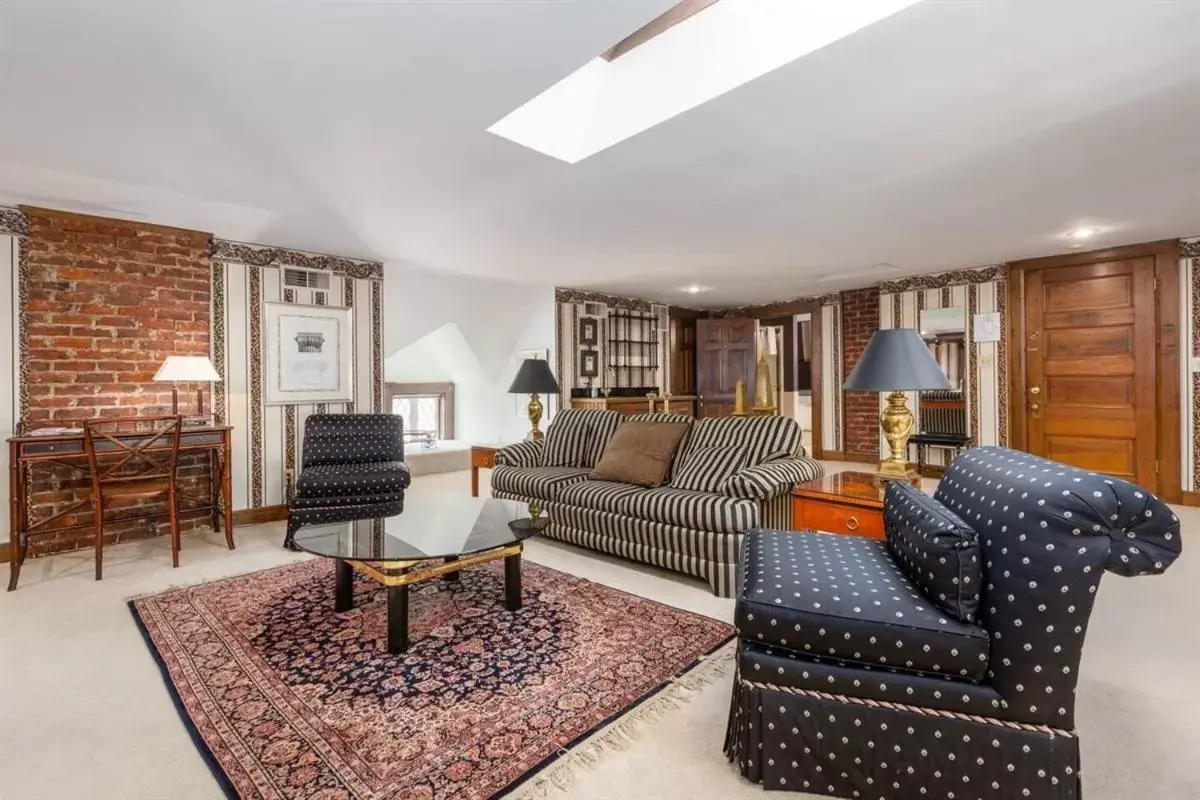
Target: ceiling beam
x,y
664,21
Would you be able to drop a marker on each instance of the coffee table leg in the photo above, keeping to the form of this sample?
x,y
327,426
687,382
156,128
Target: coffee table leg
x,y
343,586
512,582
451,576
397,602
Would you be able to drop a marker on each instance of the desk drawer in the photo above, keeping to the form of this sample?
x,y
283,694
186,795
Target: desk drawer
x,y
836,518
483,458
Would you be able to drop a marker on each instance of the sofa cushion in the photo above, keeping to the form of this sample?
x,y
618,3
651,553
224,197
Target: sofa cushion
x,y
763,438
705,469
577,436
783,667
342,501
687,509
936,548
668,416
351,480
846,597
599,495
640,452
534,483
346,438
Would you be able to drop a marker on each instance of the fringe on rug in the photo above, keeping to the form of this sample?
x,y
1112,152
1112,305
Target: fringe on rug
x,y
623,733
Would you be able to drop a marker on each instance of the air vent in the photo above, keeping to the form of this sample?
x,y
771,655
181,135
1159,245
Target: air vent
x,y
305,278
595,309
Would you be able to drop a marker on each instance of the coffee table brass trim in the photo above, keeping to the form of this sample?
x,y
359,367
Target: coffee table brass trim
x,y
397,576
387,574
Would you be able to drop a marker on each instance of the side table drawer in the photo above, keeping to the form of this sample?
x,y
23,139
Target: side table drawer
x,y
483,458
835,518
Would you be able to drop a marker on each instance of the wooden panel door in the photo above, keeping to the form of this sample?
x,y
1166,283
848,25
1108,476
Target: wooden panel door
x,y
1090,367
725,354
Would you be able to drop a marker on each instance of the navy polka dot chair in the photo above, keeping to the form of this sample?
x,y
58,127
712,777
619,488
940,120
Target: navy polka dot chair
x,y
941,662
352,467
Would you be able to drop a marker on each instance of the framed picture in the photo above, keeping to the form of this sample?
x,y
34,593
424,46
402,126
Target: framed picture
x,y
307,354
589,331
589,363
523,399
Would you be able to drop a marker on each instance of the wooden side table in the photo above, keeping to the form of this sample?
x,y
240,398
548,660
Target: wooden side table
x,y
844,502
482,455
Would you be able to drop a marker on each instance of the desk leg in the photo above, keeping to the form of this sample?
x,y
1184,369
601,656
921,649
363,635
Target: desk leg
x,y
227,490
474,481
16,535
214,488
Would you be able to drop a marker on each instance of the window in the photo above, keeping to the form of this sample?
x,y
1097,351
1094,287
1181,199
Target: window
x,y
427,409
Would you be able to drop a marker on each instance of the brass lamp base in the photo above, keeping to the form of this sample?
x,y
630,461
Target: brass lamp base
x,y
897,421
535,416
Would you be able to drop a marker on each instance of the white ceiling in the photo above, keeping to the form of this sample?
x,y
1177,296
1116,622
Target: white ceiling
x,y
951,134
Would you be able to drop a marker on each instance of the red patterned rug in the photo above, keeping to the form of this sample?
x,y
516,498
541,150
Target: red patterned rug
x,y
287,698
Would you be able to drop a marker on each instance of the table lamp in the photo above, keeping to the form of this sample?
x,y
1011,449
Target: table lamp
x,y
896,361
533,378
180,369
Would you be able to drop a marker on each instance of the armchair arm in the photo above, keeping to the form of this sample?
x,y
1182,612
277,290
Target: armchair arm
x,y
521,454
772,479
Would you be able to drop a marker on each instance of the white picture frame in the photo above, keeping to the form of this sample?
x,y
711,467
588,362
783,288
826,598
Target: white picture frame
x,y
308,354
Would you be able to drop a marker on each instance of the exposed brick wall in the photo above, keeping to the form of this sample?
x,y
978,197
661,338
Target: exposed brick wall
x,y
107,301
860,319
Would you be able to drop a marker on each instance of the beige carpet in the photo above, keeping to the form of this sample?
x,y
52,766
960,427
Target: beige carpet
x,y
85,713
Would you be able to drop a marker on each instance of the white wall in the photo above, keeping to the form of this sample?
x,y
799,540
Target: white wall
x,y
468,331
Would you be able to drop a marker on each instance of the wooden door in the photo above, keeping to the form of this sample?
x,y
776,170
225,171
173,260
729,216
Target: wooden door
x,y
725,354
1091,375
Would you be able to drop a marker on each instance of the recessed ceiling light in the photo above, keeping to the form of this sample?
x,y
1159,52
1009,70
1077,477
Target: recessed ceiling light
x,y
1083,233
696,289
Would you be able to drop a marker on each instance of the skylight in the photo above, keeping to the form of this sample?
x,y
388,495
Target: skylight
x,y
732,42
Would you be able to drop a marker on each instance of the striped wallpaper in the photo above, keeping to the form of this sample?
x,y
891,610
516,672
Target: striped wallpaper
x,y
267,438
10,360
1189,363
976,292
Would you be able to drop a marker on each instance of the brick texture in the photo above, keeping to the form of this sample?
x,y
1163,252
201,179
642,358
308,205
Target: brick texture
x,y
860,319
107,301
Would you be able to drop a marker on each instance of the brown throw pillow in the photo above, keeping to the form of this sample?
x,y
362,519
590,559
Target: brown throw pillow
x,y
640,453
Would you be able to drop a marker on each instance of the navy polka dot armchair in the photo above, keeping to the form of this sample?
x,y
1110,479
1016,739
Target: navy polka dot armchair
x,y
941,662
352,467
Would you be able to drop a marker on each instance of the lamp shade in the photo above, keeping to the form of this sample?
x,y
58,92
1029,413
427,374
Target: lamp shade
x,y
187,368
896,360
534,377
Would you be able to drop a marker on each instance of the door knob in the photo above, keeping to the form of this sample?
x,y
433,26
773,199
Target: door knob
x,y
1035,390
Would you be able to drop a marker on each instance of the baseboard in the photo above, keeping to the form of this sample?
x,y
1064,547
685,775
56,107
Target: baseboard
x,y
254,516
831,455
1190,499
861,458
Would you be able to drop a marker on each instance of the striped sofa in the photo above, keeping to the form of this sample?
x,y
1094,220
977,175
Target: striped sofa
x,y
696,533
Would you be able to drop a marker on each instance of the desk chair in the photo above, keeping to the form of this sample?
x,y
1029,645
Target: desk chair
x,y
132,470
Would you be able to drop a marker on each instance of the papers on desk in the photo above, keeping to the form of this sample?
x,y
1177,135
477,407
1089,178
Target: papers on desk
x,y
55,431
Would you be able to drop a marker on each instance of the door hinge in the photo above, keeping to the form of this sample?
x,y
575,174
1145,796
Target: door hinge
x,y
1156,284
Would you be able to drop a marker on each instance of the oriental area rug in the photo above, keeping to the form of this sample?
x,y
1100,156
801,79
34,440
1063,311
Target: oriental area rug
x,y
286,698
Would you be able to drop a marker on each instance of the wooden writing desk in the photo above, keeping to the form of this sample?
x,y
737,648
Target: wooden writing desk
x,y
26,453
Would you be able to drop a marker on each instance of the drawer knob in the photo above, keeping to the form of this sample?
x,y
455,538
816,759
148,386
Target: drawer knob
x,y
852,523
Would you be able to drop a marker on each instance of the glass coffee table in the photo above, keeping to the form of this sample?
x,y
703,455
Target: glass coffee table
x,y
432,538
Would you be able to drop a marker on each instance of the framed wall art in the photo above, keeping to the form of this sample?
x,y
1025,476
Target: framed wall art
x,y
589,363
307,354
589,331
